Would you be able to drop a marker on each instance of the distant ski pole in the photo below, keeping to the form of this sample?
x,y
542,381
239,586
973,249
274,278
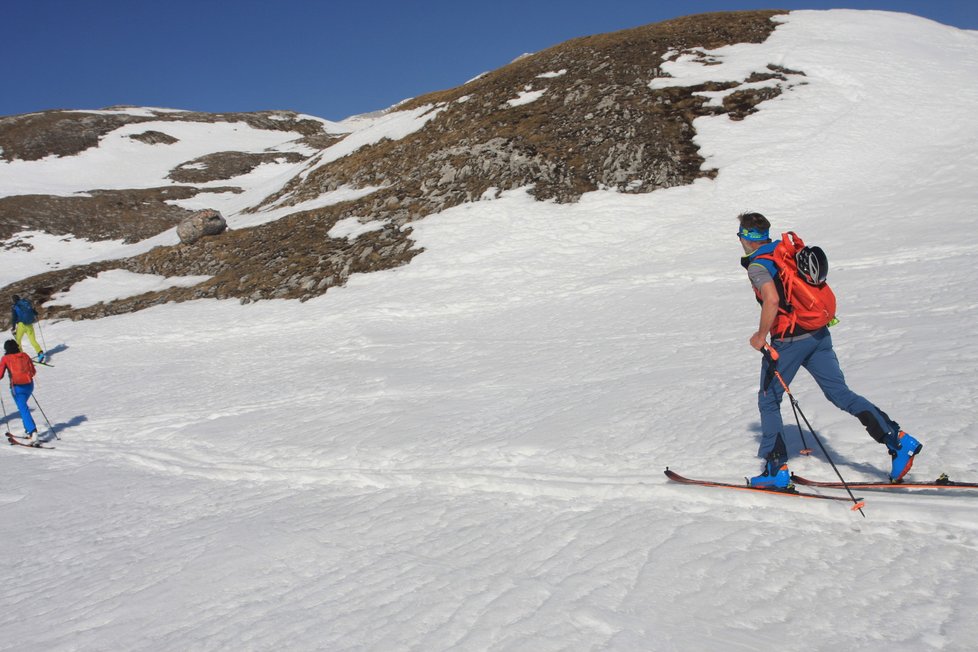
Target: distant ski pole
x,y
41,333
4,406
772,360
50,427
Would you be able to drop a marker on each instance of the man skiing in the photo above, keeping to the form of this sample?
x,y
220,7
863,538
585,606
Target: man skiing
x,y
22,372
797,347
23,316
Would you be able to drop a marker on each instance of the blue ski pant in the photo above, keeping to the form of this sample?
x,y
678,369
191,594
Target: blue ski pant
x,y
816,355
21,394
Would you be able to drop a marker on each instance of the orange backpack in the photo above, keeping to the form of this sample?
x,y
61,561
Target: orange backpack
x,y
21,368
807,303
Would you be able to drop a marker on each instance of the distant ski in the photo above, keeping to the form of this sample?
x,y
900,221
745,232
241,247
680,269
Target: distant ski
x,y
943,482
675,477
22,441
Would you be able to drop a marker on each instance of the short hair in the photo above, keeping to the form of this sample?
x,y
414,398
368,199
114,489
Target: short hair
x,y
754,221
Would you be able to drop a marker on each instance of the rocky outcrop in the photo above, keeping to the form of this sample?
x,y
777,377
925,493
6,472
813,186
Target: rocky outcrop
x,y
593,122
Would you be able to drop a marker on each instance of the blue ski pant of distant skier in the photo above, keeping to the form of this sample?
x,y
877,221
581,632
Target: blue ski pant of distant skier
x,y
816,355
21,394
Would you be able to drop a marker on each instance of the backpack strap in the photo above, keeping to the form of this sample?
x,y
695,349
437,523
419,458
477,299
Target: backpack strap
x,y
774,260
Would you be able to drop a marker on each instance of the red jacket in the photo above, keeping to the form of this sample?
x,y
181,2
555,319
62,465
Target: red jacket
x,y
21,367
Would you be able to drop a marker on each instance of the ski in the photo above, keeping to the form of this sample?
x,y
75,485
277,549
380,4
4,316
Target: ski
x,y
675,477
16,441
46,364
943,482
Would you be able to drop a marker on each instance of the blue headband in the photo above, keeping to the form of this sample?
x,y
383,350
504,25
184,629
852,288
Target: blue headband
x,y
752,234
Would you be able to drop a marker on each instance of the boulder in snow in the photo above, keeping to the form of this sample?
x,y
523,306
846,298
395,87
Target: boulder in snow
x,y
201,223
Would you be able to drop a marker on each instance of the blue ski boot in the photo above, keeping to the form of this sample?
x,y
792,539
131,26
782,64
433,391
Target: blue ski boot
x,y
903,450
775,476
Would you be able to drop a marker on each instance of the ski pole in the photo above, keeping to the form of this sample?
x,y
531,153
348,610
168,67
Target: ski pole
x,y
50,427
769,376
41,333
805,450
4,406
772,357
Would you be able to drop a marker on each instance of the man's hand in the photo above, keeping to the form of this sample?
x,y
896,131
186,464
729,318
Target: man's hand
x,y
758,340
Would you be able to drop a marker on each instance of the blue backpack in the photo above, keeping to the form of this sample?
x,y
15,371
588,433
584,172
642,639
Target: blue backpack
x,y
24,312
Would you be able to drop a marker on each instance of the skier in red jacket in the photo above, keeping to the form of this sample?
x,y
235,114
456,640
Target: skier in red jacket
x,y
22,372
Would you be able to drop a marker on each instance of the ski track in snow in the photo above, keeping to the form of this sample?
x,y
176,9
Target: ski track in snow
x,y
466,453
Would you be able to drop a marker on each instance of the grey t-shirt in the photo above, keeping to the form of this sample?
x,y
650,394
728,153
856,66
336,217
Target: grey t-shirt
x,y
758,276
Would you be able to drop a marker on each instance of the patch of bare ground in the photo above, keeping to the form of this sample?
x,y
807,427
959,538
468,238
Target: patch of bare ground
x,y
127,215
291,258
227,165
34,136
155,138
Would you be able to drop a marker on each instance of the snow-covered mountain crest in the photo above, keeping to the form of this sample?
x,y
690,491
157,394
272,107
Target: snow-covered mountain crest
x,y
578,117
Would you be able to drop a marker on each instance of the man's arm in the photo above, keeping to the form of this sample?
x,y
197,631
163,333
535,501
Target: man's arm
x,y
769,312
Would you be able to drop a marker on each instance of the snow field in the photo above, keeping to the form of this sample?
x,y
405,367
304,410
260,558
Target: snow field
x,y
466,453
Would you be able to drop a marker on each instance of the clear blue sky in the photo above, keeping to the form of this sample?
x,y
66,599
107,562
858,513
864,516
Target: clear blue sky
x,y
331,59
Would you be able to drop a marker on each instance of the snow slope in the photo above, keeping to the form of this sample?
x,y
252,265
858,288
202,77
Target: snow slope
x,y
466,453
